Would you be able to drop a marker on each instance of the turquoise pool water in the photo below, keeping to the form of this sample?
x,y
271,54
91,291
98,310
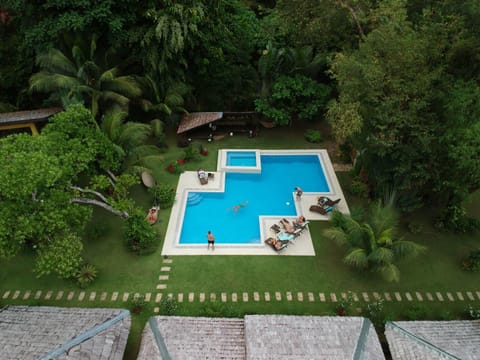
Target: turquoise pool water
x,y
241,158
267,193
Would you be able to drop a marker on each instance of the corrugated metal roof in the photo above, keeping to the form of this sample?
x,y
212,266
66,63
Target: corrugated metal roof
x,y
18,117
194,120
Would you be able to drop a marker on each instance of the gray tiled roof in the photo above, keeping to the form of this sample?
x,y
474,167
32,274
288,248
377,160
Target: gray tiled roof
x,y
193,338
422,340
63,333
311,337
260,337
18,117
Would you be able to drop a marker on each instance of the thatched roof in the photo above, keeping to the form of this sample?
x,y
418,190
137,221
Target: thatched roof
x,y
311,337
260,337
434,339
194,120
192,338
59,333
19,117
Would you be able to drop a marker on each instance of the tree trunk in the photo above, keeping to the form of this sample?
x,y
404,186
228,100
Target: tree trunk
x,y
107,207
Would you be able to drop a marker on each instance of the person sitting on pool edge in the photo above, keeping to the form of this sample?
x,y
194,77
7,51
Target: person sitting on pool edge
x,y
211,240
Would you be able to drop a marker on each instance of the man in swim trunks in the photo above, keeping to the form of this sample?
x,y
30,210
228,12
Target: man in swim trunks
x,y
211,240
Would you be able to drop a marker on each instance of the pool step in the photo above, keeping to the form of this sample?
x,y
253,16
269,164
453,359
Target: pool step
x,y
194,199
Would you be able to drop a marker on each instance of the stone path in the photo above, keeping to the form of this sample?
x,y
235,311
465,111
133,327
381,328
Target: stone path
x,y
239,296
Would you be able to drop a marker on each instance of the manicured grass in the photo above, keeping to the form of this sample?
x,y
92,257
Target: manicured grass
x,y
438,269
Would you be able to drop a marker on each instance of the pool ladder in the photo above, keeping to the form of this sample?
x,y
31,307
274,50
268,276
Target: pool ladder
x,y
194,199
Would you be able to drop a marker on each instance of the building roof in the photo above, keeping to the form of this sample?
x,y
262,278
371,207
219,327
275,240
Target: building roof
x,y
18,117
31,332
194,120
260,337
311,337
434,339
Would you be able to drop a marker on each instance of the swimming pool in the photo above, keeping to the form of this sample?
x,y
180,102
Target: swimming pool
x,y
241,158
269,192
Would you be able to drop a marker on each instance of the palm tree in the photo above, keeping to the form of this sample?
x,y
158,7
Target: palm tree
x,y
131,140
80,76
374,245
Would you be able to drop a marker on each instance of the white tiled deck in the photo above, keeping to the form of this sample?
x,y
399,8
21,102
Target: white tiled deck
x,y
302,245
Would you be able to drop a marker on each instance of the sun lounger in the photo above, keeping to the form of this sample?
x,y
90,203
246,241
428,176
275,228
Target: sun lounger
x,y
326,201
276,244
202,176
320,210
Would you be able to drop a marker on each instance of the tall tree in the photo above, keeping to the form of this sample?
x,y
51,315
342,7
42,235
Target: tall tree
x,y
372,245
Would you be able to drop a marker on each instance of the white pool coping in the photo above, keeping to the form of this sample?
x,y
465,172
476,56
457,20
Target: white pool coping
x,y
302,246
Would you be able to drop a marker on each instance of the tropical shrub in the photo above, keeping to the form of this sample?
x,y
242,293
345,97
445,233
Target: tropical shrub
x,y
359,188
140,235
86,275
375,313
472,313
372,245
472,262
345,305
454,218
313,136
168,306
164,195
190,153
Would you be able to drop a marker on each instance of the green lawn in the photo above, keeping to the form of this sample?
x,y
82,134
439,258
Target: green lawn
x,y
436,270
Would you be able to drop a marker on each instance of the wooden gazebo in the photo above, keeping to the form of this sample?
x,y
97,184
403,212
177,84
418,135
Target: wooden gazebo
x,y
26,119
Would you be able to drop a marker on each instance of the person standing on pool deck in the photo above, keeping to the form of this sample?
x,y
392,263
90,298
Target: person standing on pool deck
x,y
211,240
299,191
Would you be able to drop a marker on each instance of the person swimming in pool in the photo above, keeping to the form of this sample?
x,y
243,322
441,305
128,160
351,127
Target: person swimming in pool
x,y
239,206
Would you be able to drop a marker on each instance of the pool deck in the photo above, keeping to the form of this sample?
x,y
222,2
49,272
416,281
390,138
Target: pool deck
x,y
301,246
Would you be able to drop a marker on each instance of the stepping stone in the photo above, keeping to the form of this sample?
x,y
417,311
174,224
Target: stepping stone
x,y
365,296
439,296
93,295
234,297
224,297
388,297
289,296
125,296
6,294
450,296
156,310
470,295
300,296
256,296
180,297
103,297
478,294
163,277
167,261
213,297
148,296
81,296
48,295
377,296
165,268
245,297
59,295
333,297
267,296
26,295
419,296
398,297
158,297
170,296
311,298
429,296
355,297
202,297
114,296
460,296
408,296
191,297
136,296
15,294
70,295
322,297
278,296
344,296
38,294
161,286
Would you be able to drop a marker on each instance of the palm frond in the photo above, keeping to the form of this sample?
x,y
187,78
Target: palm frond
x,y
157,128
385,238
383,217
403,249
381,255
115,97
337,235
356,258
133,134
48,82
112,122
125,85
56,62
389,272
